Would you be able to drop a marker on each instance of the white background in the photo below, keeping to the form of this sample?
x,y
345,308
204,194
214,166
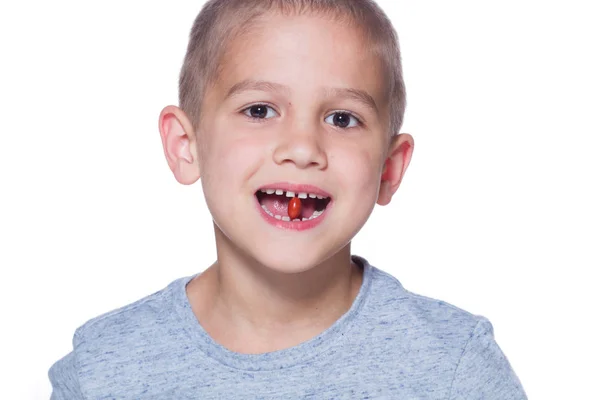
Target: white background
x,y
498,213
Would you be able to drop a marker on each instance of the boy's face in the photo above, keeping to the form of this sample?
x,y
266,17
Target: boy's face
x,y
297,139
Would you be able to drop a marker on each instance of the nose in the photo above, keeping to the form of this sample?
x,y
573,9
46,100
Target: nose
x,y
301,147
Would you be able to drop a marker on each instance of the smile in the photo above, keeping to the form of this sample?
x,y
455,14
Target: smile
x,y
310,204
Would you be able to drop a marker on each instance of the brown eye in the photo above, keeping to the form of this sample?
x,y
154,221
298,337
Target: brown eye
x,y
258,111
343,119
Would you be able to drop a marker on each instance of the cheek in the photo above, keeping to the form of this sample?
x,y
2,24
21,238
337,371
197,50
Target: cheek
x,y
359,170
358,182
231,161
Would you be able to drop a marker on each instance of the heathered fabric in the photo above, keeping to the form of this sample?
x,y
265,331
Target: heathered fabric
x,y
391,344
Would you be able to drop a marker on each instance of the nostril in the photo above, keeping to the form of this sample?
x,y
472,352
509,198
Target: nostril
x,y
302,152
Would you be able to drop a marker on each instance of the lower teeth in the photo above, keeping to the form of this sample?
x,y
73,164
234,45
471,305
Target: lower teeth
x,y
315,214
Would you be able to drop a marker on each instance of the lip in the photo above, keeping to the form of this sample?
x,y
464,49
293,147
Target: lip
x,y
292,225
296,188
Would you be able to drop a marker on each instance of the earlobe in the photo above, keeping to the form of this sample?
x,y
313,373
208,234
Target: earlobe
x,y
395,167
178,140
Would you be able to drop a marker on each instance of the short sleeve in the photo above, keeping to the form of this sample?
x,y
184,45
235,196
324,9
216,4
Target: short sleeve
x,y
64,380
483,371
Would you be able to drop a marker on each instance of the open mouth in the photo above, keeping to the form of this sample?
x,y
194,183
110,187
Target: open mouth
x,y
276,203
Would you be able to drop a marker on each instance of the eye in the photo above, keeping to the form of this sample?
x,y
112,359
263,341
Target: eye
x,y
258,111
342,119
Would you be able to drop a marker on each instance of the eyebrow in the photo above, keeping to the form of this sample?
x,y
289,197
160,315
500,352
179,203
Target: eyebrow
x,y
249,84
354,94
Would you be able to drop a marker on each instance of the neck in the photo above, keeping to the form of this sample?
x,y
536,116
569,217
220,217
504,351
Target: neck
x,y
244,298
263,297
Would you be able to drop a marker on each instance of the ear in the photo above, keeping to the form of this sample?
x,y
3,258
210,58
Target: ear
x,y
396,163
178,140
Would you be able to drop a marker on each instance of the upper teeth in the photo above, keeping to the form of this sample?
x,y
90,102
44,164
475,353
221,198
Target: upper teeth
x,y
289,193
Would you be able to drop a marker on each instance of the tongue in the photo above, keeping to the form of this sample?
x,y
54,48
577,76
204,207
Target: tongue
x,y
308,207
278,205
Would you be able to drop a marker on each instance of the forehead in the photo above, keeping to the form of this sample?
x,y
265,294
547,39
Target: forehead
x,y
304,54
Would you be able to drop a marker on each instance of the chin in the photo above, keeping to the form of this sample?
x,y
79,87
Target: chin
x,y
286,251
289,263
299,259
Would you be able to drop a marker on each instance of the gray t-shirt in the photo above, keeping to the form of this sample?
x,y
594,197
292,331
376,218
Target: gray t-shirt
x,y
391,344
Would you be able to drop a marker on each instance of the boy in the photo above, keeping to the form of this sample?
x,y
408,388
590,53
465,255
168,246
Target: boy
x,y
289,117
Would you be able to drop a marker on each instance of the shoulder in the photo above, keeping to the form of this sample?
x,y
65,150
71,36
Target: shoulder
x,y
390,296
128,316
116,346
419,322
437,335
139,325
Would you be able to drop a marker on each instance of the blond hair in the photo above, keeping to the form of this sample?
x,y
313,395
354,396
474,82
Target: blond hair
x,y
220,21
